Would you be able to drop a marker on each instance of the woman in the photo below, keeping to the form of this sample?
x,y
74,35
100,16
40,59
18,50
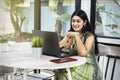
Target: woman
x,y
80,39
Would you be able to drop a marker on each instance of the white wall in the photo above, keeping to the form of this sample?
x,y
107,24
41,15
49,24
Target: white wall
x,y
86,6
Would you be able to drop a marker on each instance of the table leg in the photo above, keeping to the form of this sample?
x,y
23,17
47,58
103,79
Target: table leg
x,y
14,74
69,74
25,74
58,74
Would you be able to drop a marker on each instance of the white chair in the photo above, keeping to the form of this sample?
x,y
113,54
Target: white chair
x,y
103,51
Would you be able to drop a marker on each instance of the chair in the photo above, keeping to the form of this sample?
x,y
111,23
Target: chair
x,y
113,54
2,75
104,50
5,72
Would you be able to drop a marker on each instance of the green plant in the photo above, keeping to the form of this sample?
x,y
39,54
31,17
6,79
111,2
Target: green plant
x,y
3,39
37,42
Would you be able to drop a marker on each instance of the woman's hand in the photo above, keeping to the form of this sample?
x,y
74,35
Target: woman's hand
x,y
65,45
72,34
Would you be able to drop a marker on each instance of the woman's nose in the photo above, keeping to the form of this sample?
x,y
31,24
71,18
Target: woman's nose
x,y
75,23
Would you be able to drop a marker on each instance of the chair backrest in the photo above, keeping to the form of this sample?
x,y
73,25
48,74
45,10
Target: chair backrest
x,y
103,50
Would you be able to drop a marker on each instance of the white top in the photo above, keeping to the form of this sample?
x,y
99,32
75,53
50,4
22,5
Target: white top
x,y
24,59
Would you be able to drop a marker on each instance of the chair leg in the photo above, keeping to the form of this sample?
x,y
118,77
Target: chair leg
x,y
103,68
107,67
6,76
113,68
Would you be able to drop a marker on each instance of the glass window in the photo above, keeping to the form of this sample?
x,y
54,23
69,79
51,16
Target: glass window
x,y
108,18
16,19
55,15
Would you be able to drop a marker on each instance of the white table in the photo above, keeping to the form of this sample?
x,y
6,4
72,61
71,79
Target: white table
x,y
23,59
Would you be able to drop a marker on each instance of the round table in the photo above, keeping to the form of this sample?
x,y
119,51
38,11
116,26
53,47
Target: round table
x,y
23,59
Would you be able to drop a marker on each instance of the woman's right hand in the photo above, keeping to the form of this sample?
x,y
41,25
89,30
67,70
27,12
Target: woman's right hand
x,y
64,48
65,45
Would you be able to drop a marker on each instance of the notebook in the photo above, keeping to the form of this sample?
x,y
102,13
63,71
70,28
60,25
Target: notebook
x,y
51,44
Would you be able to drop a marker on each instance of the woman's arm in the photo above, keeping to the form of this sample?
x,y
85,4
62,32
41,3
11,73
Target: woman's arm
x,y
84,49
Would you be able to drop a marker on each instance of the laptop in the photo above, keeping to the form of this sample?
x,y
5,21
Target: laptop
x,y
51,44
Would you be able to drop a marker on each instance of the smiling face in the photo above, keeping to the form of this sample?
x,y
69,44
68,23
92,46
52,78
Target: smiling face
x,y
77,23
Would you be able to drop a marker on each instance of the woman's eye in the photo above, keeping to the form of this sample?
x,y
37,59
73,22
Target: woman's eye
x,y
73,20
76,20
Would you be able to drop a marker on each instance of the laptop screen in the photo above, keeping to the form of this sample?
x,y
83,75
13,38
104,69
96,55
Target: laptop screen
x,y
51,43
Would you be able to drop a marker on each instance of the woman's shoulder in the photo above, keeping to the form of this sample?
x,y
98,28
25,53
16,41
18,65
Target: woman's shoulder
x,y
88,34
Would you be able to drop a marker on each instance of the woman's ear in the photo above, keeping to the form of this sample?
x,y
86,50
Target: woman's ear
x,y
85,22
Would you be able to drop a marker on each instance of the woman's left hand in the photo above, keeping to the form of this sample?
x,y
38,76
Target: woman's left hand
x,y
72,34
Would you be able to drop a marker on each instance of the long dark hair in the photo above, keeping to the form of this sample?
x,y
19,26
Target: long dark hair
x,y
82,14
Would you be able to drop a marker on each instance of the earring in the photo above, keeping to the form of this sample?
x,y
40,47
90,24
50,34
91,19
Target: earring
x,y
84,24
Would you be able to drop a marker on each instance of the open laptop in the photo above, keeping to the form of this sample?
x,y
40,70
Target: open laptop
x,y
51,44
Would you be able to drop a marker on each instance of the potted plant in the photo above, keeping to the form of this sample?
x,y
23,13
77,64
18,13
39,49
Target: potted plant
x,y
4,43
37,46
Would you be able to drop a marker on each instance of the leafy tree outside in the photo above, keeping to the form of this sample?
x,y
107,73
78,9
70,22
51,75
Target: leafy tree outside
x,y
17,15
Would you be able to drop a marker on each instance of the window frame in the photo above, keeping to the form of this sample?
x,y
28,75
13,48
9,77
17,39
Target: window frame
x,y
37,12
92,20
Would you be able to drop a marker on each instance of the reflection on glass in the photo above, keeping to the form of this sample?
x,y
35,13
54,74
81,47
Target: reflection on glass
x,y
108,18
55,16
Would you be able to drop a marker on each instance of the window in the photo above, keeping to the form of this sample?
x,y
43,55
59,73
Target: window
x,y
16,19
108,18
18,23
55,17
